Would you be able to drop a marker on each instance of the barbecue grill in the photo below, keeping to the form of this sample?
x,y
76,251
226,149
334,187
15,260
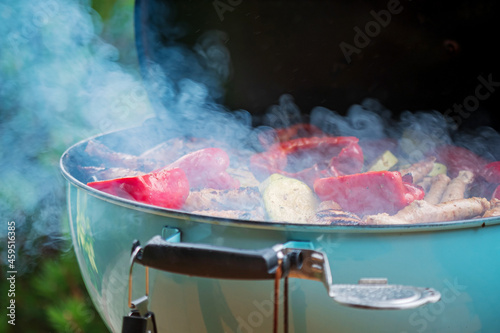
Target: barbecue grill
x,y
210,274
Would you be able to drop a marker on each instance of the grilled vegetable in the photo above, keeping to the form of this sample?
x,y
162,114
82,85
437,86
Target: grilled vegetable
x,y
336,217
369,192
438,169
374,148
269,180
288,200
491,172
293,132
384,162
459,158
415,141
165,188
496,193
308,159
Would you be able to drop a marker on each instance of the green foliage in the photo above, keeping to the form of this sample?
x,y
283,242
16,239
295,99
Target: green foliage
x,y
73,315
53,299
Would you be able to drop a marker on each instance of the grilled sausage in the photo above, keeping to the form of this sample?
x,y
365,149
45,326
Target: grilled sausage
x,y
420,211
243,198
426,183
420,169
494,209
438,186
457,186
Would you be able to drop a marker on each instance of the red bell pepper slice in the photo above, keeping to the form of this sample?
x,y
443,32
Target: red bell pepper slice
x,y
496,193
298,131
164,188
369,192
206,168
302,130
459,158
310,158
491,172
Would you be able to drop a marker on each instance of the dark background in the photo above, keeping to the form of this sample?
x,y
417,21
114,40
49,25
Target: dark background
x,y
428,57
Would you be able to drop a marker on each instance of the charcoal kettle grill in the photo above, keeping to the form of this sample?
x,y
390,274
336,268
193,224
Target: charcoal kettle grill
x,y
210,274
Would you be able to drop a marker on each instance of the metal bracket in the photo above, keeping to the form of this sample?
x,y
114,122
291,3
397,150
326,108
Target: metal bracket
x,y
171,234
306,263
369,293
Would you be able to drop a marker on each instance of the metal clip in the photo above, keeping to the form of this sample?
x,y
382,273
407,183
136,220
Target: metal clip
x,y
143,300
278,275
140,319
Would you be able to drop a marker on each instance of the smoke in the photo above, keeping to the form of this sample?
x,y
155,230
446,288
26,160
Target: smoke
x,y
63,80
418,133
368,120
60,82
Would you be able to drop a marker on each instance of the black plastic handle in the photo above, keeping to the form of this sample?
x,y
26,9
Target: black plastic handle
x,y
209,261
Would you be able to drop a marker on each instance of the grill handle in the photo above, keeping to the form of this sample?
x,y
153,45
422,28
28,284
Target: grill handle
x,y
275,263
211,261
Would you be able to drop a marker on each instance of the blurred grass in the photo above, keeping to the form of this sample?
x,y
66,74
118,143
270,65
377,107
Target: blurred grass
x,y
50,293
53,298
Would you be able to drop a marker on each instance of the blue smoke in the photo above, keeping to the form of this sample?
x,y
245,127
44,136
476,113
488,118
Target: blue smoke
x,y
60,82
